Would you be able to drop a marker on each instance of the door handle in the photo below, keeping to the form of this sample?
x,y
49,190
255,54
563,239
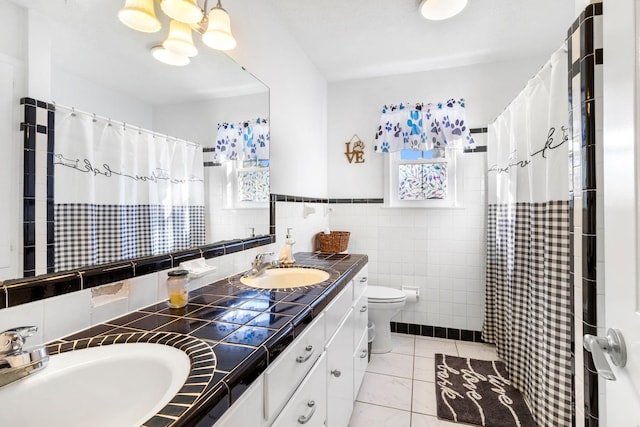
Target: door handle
x,y
612,344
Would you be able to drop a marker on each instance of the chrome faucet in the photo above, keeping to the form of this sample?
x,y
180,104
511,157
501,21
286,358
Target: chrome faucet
x,y
258,266
16,363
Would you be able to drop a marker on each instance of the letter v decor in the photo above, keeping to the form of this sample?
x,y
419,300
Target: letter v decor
x,y
357,152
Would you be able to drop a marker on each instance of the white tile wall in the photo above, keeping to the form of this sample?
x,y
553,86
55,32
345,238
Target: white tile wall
x,y
442,251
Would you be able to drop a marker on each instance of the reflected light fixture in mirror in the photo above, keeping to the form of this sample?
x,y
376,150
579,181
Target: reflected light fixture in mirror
x,y
186,15
438,10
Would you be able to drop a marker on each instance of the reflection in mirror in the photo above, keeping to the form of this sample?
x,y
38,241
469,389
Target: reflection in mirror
x,y
99,66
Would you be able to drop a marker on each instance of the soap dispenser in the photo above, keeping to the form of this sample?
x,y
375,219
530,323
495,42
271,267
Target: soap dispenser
x,y
286,253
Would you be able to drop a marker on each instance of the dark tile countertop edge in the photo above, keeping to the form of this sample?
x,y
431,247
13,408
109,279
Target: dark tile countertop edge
x,y
246,328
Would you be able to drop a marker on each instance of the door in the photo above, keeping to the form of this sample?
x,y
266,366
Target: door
x,y
621,142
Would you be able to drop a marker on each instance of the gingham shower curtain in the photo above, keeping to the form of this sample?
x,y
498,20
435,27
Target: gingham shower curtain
x,y
122,192
528,302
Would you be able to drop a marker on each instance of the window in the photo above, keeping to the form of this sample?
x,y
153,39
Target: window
x,y
247,184
423,178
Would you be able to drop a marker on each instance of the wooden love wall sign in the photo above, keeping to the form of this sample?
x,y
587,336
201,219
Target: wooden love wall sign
x,y
355,153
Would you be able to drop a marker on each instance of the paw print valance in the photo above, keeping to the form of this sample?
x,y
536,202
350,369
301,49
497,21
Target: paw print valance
x,y
247,140
423,127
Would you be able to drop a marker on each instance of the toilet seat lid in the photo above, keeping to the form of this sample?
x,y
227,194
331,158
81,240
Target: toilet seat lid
x,y
384,294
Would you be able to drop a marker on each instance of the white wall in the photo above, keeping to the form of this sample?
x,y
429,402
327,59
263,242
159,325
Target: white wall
x,y
13,56
440,251
71,90
197,121
298,98
354,108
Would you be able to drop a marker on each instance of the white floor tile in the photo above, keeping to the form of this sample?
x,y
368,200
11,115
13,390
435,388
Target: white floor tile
x,y
424,369
403,343
385,390
477,350
397,365
424,398
366,415
419,420
427,347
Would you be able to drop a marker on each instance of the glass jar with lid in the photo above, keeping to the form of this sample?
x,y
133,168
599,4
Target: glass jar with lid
x,y
178,288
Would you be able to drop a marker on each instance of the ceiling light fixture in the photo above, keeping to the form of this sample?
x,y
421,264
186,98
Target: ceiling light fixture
x,y
186,15
438,10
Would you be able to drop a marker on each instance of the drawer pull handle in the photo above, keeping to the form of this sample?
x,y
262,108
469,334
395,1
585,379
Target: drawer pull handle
x,y
364,354
301,359
336,373
363,279
303,419
363,309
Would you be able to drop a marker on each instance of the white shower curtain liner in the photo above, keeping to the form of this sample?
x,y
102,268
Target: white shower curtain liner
x,y
122,192
528,306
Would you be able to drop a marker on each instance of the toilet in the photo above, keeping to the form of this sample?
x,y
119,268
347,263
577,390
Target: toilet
x,y
384,303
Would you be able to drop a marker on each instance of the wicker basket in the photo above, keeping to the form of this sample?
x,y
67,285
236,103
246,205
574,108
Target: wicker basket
x,y
336,241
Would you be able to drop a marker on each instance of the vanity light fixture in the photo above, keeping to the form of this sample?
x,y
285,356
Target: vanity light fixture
x,y
186,15
438,10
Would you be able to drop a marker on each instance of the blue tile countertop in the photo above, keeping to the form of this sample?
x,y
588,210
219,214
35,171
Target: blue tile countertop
x,y
231,333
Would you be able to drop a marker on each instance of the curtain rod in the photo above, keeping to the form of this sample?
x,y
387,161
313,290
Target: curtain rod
x,y
124,125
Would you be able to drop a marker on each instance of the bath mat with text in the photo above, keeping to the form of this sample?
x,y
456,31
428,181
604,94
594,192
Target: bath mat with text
x,y
478,392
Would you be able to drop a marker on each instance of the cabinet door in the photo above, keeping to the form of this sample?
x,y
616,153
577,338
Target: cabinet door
x,y
360,361
247,410
308,405
360,282
340,379
360,317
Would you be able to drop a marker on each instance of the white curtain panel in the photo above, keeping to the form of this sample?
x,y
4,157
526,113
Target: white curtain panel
x,y
123,192
529,306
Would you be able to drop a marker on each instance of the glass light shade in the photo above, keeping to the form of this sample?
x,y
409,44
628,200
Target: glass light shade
x,y
180,40
168,57
218,35
140,15
186,11
437,10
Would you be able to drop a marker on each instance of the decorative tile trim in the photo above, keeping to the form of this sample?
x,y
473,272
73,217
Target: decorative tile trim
x,y
28,289
201,374
583,101
38,130
436,332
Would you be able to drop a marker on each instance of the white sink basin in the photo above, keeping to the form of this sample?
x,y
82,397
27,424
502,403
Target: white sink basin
x,y
115,385
280,278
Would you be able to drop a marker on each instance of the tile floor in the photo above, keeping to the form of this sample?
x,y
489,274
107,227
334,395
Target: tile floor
x,y
398,388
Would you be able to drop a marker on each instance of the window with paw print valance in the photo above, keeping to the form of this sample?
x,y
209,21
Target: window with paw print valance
x,y
247,140
422,127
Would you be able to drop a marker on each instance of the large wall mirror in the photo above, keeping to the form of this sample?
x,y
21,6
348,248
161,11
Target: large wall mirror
x,y
99,69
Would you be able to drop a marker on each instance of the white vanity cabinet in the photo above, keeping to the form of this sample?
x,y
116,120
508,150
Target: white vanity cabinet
x,y
314,382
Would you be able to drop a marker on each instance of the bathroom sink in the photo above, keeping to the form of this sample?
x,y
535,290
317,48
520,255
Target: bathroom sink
x,y
114,385
290,277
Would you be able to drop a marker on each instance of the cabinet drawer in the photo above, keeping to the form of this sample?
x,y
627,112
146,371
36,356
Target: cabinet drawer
x,y
308,405
360,282
337,309
360,361
360,317
284,375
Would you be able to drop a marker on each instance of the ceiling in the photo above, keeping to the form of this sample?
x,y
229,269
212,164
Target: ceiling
x,y
364,38
344,38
